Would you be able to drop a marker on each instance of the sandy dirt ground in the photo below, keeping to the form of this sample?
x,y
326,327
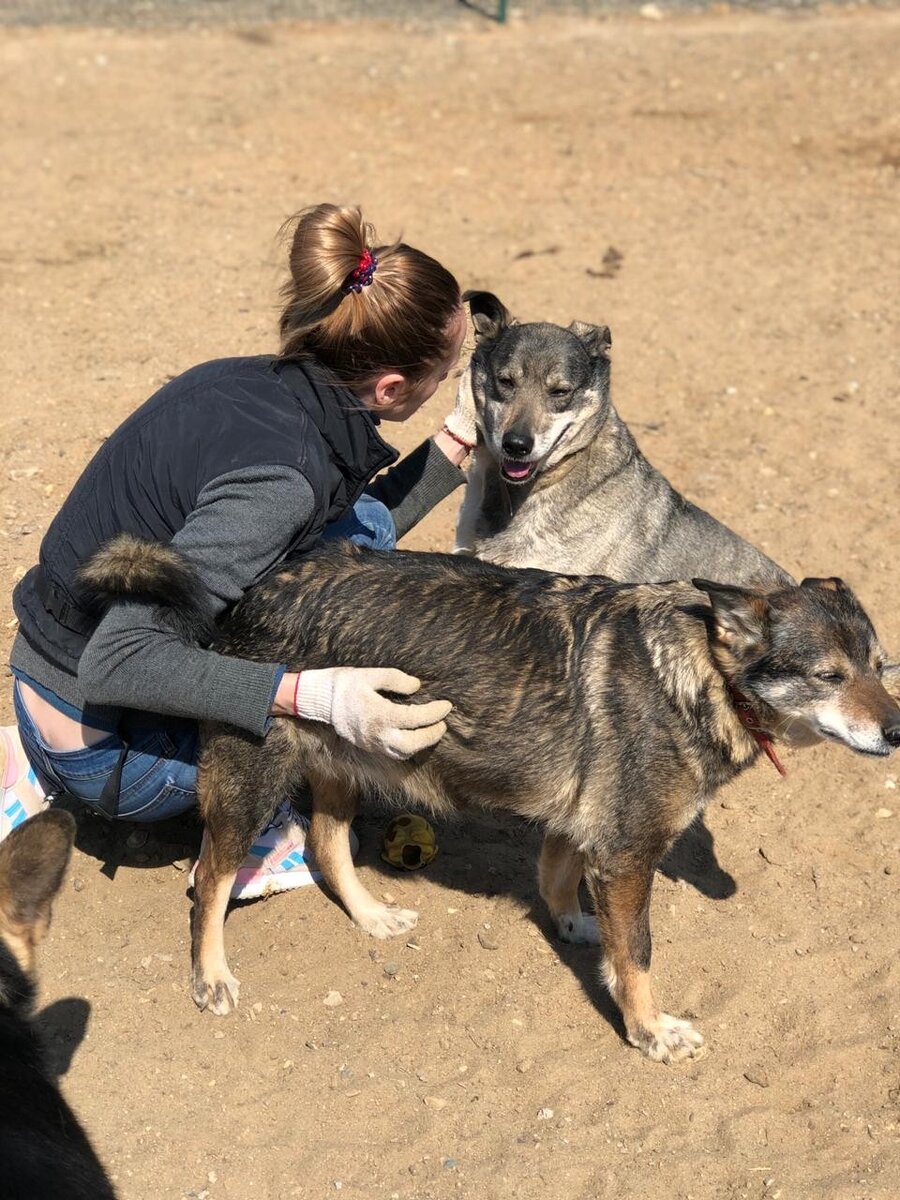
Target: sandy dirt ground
x,y
723,192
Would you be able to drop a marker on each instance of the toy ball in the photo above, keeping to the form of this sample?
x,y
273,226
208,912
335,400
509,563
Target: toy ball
x,y
409,842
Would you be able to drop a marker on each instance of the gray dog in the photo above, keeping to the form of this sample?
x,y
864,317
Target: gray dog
x,y
558,481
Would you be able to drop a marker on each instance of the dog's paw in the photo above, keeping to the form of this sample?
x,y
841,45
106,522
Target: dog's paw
x,y
669,1040
578,928
219,996
387,920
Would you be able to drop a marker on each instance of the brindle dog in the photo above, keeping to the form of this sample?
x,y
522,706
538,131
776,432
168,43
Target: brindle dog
x,y
608,712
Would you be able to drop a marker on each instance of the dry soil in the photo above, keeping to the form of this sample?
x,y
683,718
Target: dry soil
x,y
722,190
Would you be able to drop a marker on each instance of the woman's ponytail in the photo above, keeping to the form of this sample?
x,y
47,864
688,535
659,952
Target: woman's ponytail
x,y
360,308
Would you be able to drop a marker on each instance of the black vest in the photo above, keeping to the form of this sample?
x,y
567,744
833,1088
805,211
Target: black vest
x,y
219,417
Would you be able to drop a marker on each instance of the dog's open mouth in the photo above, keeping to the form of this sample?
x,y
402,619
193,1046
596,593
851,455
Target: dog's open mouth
x,y
514,470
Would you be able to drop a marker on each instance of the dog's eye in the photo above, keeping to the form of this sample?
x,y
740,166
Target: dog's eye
x,y
830,676
560,391
506,381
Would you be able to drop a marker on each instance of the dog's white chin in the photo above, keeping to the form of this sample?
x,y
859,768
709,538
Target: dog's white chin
x,y
868,742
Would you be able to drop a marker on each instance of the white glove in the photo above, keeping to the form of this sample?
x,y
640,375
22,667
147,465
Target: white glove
x,y
349,699
462,423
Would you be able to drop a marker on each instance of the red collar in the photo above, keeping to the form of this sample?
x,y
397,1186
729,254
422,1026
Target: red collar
x,y
763,740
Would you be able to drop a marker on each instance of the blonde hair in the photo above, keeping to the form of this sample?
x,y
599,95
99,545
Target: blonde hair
x,y
399,322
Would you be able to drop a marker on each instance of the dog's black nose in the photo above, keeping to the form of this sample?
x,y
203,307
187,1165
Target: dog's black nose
x,y
517,441
891,731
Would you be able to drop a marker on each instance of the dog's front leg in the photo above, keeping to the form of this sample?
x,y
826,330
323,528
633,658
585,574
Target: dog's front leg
x,y
560,869
238,785
212,984
333,810
621,892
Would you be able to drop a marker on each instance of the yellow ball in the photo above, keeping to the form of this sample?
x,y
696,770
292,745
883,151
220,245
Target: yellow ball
x,y
409,842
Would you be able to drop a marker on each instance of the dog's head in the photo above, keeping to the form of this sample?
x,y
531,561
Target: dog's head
x,y
808,660
541,392
33,861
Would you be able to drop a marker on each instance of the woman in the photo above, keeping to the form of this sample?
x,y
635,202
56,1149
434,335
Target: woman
x,y
238,463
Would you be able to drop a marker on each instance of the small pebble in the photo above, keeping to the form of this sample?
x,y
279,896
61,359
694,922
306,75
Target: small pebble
x,y
487,941
524,1065
436,1102
884,813
449,1164
78,885
333,999
757,1076
388,898
391,969
545,1114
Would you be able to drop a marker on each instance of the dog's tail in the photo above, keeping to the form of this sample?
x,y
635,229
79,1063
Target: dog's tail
x,y
128,568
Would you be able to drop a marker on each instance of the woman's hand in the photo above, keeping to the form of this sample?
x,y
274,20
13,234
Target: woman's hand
x,y
460,432
350,700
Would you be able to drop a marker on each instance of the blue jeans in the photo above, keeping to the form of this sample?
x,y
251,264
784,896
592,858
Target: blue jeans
x,y
159,772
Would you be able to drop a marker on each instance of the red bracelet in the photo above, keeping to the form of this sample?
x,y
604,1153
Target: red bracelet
x,y
296,690
469,446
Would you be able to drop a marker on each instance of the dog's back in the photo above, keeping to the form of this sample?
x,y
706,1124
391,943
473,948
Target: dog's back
x,y
44,1152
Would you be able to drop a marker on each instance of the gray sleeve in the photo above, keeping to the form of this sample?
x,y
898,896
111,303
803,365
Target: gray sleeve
x,y
417,483
241,526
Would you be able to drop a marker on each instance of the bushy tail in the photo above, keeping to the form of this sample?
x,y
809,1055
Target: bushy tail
x,y
129,568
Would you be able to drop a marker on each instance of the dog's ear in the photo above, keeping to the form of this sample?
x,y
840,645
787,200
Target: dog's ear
x,y
740,614
831,584
489,315
33,861
596,338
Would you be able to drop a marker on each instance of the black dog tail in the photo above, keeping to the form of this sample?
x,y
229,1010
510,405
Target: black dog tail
x,y
129,568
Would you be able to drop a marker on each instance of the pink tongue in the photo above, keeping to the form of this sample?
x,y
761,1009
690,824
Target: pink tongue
x,y
516,471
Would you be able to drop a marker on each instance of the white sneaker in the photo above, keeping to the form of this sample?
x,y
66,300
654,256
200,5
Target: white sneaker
x,y
279,860
13,810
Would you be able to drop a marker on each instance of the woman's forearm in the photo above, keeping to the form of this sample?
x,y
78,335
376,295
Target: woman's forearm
x,y
132,661
417,484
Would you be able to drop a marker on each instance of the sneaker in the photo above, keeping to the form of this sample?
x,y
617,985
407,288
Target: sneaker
x,y
279,860
16,808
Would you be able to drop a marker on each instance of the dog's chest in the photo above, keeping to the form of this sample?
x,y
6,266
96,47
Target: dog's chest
x,y
527,535
553,528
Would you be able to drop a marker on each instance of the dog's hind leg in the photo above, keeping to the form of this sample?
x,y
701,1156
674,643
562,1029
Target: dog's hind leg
x,y
334,807
560,869
621,894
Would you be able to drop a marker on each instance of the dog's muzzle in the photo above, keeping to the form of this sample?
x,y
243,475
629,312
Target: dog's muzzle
x,y
515,465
